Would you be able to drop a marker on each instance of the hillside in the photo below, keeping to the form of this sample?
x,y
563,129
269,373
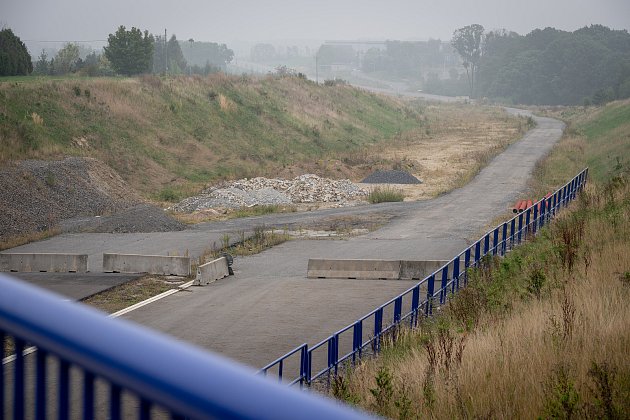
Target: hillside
x,y
165,135
541,333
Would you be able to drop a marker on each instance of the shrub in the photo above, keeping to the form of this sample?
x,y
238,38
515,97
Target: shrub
x,y
385,194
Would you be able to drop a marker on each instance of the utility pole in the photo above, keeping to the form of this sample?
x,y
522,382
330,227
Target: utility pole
x,y
316,70
165,53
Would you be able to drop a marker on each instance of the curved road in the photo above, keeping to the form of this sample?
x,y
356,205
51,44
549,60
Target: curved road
x,y
269,306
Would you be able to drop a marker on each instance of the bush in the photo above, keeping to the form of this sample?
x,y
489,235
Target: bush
x,y
385,194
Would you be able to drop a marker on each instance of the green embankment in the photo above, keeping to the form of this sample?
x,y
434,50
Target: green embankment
x,y
170,134
541,333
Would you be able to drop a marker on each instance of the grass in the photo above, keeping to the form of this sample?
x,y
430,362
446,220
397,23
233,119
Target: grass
x,y
385,194
542,333
260,240
213,215
164,135
127,294
13,241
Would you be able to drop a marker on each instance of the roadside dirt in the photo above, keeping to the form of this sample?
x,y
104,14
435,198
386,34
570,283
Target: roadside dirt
x,y
462,139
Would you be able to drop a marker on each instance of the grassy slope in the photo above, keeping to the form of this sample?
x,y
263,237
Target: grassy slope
x,y
534,335
181,131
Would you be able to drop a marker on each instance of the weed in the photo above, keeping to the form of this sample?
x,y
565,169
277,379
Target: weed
x,y
562,398
383,392
537,280
603,407
340,390
37,119
385,194
76,90
168,194
50,179
403,404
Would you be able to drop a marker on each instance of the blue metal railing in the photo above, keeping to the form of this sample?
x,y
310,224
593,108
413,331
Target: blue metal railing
x,y
118,360
496,242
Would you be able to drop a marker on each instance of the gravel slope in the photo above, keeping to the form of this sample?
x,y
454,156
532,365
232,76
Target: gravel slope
x,y
39,195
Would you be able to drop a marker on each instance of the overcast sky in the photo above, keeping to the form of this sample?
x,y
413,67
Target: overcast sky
x,y
253,20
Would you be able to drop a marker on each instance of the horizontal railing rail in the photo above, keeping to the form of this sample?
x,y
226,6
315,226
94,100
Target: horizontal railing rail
x,y
87,364
426,295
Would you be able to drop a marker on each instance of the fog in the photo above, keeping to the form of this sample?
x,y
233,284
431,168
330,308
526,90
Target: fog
x,y
242,22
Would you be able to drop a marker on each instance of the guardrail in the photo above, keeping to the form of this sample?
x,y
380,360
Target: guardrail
x,y
351,341
88,365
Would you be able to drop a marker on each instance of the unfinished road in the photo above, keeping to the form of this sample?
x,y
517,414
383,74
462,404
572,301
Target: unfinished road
x,y
269,306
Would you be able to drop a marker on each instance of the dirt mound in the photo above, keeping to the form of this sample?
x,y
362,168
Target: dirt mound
x,y
391,177
38,195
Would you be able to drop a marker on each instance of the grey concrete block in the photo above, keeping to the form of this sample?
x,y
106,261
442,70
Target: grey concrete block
x,y
353,269
212,271
151,264
418,270
56,263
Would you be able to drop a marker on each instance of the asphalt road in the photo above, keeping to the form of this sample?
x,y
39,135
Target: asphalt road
x,y
269,306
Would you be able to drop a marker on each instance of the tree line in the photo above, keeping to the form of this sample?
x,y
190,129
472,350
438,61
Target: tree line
x,y
547,66
128,52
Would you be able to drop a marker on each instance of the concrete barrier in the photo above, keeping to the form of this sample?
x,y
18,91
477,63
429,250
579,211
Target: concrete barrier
x,y
353,269
212,271
417,270
371,269
151,264
56,263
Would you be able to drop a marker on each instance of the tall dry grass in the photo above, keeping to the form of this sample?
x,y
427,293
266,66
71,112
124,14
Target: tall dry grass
x,y
561,353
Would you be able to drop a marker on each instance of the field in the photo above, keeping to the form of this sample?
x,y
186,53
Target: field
x,y
542,333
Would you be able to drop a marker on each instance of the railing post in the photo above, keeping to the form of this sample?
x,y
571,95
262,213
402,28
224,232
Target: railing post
x,y
378,327
477,252
415,304
486,244
466,264
443,285
555,203
303,365
527,221
430,290
357,339
535,222
543,212
520,227
566,195
18,379
512,231
504,243
2,338
397,309
333,354
456,272
495,241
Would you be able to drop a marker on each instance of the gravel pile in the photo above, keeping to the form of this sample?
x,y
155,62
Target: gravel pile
x,y
39,195
391,177
140,218
307,188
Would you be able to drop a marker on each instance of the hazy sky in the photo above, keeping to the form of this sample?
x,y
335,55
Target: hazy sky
x,y
251,20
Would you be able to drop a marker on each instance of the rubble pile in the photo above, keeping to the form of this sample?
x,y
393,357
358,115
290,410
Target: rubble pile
x,y
306,188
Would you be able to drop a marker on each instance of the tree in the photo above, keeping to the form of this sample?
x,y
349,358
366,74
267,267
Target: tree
x,y
467,42
41,66
130,52
176,61
66,59
14,57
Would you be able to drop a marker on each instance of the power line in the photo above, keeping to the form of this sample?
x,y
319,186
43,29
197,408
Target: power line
x,y
36,40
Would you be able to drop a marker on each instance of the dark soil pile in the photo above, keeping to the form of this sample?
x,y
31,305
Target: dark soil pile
x,y
38,195
391,177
